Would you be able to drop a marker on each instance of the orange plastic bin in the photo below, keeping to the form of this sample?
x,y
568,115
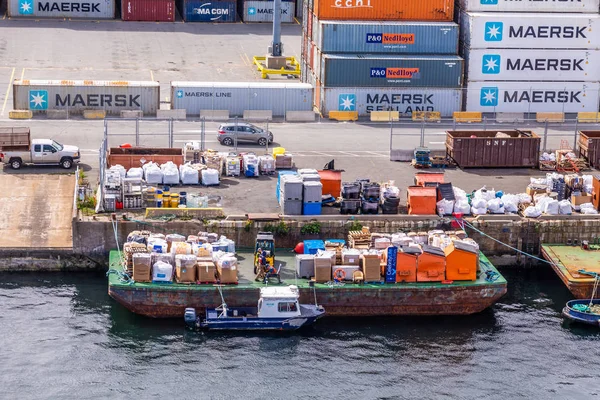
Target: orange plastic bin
x,y
422,200
431,265
421,178
461,262
332,182
406,264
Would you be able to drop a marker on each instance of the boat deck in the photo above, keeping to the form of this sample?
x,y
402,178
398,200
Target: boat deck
x,y
286,259
568,260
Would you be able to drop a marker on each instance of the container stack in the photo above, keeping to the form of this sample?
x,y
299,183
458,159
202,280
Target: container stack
x,y
382,56
262,10
148,10
312,192
527,57
203,11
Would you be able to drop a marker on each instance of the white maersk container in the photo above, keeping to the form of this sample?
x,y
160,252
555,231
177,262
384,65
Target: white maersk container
x,y
533,65
240,96
525,97
534,6
529,31
403,100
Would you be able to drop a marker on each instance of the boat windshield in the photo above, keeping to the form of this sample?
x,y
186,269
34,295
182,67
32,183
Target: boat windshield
x,y
57,145
287,306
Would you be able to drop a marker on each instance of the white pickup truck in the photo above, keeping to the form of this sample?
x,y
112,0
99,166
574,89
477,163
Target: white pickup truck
x,y
17,148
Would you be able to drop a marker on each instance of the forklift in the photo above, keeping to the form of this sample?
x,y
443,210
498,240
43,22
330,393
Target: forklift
x,y
264,258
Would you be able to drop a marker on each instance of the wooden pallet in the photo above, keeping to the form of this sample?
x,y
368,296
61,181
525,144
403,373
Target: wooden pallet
x,y
359,239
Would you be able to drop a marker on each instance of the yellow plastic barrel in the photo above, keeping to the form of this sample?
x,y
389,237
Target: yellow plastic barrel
x,y
166,199
278,150
174,200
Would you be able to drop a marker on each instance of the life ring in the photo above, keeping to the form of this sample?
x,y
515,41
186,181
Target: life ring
x,y
339,274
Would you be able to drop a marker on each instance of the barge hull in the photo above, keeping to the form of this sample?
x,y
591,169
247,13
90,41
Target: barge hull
x,y
564,258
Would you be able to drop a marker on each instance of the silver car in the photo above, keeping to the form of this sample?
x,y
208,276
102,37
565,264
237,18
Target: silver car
x,y
245,133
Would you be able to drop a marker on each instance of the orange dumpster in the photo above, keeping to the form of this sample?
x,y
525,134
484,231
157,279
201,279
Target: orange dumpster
x,y
461,262
332,182
406,264
421,178
422,200
431,264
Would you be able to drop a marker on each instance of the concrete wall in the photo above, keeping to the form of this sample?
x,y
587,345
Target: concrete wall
x,y
96,238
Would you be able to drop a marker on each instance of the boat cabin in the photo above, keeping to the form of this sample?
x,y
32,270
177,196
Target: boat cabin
x,y
279,302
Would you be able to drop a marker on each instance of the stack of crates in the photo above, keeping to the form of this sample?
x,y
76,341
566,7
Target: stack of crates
x,y
311,197
370,197
350,198
422,157
290,198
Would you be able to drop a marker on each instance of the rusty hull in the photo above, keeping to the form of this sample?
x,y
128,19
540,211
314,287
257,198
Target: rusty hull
x,y
384,301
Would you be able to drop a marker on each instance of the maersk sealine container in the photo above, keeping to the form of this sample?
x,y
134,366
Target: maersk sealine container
x,y
405,101
262,11
529,31
386,37
77,96
533,6
533,65
93,9
341,70
240,96
525,97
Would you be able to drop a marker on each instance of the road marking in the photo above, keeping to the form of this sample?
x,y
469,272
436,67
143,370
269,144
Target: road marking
x,y
193,131
8,90
295,19
244,60
151,76
350,154
189,140
437,142
22,73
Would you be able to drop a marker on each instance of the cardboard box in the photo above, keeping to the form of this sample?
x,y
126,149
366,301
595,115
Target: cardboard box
x,y
185,273
228,275
142,267
207,272
324,262
370,266
532,191
579,200
350,259
322,273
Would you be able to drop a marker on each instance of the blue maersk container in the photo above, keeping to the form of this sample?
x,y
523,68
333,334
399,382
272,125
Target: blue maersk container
x,y
386,37
208,11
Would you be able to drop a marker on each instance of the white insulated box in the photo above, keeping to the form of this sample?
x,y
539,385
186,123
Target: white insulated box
x,y
529,97
534,6
533,65
529,31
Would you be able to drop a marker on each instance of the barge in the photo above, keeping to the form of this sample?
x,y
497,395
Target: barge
x,y
568,260
349,299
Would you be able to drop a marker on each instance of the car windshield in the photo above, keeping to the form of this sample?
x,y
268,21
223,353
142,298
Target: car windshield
x,y
57,145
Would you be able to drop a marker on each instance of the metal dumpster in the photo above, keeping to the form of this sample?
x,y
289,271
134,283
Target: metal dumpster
x,y
132,156
495,148
589,147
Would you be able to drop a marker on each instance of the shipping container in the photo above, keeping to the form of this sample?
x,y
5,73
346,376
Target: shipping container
x,y
76,96
529,31
532,65
148,10
388,10
237,97
526,97
589,147
299,9
569,6
484,149
387,70
405,101
98,9
208,11
262,11
386,37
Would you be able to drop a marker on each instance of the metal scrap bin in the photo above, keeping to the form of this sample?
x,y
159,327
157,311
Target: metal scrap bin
x,y
589,147
495,148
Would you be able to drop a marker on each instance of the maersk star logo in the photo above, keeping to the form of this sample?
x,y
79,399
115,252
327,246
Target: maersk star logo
x,y
25,7
493,31
251,11
347,102
491,64
488,97
38,100
179,94
488,2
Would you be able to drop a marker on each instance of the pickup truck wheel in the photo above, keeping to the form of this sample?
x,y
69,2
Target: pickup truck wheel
x,y
16,163
66,163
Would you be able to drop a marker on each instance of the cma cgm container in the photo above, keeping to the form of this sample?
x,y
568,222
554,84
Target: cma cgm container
x,y
341,70
405,101
93,9
148,10
208,11
77,96
376,10
262,11
238,97
386,37
523,97
533,65
529,31
534,6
